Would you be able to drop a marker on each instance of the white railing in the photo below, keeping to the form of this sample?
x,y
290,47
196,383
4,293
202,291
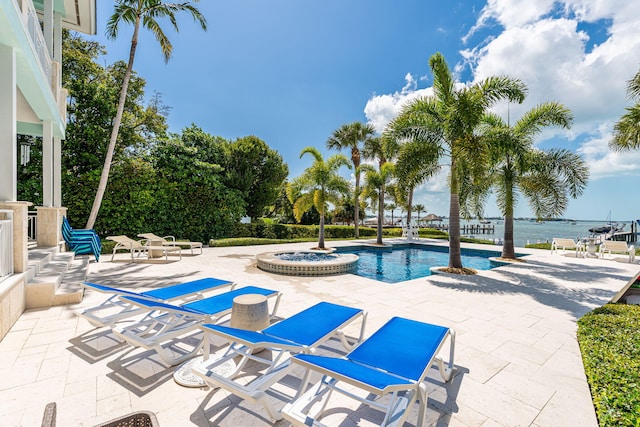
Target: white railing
x,y
37,37
6,244
32,226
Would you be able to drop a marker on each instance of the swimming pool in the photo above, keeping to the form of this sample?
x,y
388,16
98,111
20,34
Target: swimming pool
x,y
406,262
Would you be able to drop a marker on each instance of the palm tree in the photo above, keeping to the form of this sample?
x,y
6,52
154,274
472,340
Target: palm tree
x,y
418,209
447,120
546,179
627,131
319,184
350,136
147,13
376,180
391,207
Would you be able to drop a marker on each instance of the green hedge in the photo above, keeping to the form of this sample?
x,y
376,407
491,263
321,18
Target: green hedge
x,y
266,230
609,339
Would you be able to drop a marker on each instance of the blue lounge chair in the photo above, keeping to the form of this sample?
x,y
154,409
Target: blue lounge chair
x,y
166,322
393,361
81,242
301,333
114,309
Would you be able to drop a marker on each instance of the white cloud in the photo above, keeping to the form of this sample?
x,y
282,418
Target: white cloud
x,y
381,109
544,44
511,13
603,162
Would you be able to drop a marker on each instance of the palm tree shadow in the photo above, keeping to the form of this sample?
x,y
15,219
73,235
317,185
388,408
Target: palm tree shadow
x,y
578,294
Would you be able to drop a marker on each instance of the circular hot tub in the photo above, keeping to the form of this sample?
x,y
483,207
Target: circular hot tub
x,y
307,263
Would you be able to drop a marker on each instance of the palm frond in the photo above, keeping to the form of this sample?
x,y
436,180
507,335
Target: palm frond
x,y
543,115
443,83
626,132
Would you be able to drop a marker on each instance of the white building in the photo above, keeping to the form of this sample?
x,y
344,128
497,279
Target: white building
x,y
32,102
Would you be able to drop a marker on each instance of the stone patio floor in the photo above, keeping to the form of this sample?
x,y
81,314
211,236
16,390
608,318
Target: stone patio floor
x,y
516,355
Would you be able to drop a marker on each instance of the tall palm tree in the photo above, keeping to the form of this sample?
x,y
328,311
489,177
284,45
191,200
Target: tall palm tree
x,y
147,13
417,161
448,120
350,136
376,181
319,184
546,179
391,207
418,208
627,130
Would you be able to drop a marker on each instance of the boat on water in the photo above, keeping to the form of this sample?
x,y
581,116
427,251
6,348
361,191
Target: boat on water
x,y
610,227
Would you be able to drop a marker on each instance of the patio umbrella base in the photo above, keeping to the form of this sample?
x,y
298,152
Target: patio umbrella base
x,y
186,378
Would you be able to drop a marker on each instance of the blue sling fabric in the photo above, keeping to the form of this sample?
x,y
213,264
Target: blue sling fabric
x,y
310,325
360,373
195,286
207,306
402,346
397,353
81,242
303,329
223,302
166,293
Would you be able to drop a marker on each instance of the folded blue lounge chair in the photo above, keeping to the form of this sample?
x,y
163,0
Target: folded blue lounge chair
x,y
81,242
393,361
166,322
114,309
300,333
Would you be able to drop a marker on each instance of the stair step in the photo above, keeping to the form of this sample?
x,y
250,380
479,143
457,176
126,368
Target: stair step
x,y
71,290
74,276
38,259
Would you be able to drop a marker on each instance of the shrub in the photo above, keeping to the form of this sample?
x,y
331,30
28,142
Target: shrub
x,y
609,339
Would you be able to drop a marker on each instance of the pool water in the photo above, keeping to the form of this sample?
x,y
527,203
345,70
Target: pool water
x,y
413,261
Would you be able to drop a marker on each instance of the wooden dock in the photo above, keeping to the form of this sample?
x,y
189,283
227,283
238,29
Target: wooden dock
x,y
467,229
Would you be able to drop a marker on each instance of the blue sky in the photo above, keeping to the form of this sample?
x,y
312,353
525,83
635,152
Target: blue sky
x,y
291,72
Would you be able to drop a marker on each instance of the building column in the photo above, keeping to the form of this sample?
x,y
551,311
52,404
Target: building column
x,y
8,126
57,172
50,226
47,163
20,234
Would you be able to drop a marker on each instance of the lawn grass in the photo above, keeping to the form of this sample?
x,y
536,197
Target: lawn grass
x,y
609,339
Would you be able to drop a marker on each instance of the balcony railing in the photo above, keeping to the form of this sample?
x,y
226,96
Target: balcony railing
x,y
37,37
6,244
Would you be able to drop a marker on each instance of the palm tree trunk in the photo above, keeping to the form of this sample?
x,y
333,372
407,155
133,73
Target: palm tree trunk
x,y
508,250
455,259
356,208
104,177
380,216
409,203
321,231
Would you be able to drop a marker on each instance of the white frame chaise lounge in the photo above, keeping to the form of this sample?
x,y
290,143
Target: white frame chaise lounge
x,y
394,361
167,322
114,309
300,333
171,241
619,247
138,246
564,244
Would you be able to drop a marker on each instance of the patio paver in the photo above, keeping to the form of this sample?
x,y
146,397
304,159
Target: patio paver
x,y
517,357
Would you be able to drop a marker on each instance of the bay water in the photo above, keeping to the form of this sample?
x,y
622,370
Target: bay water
x,y
528,231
